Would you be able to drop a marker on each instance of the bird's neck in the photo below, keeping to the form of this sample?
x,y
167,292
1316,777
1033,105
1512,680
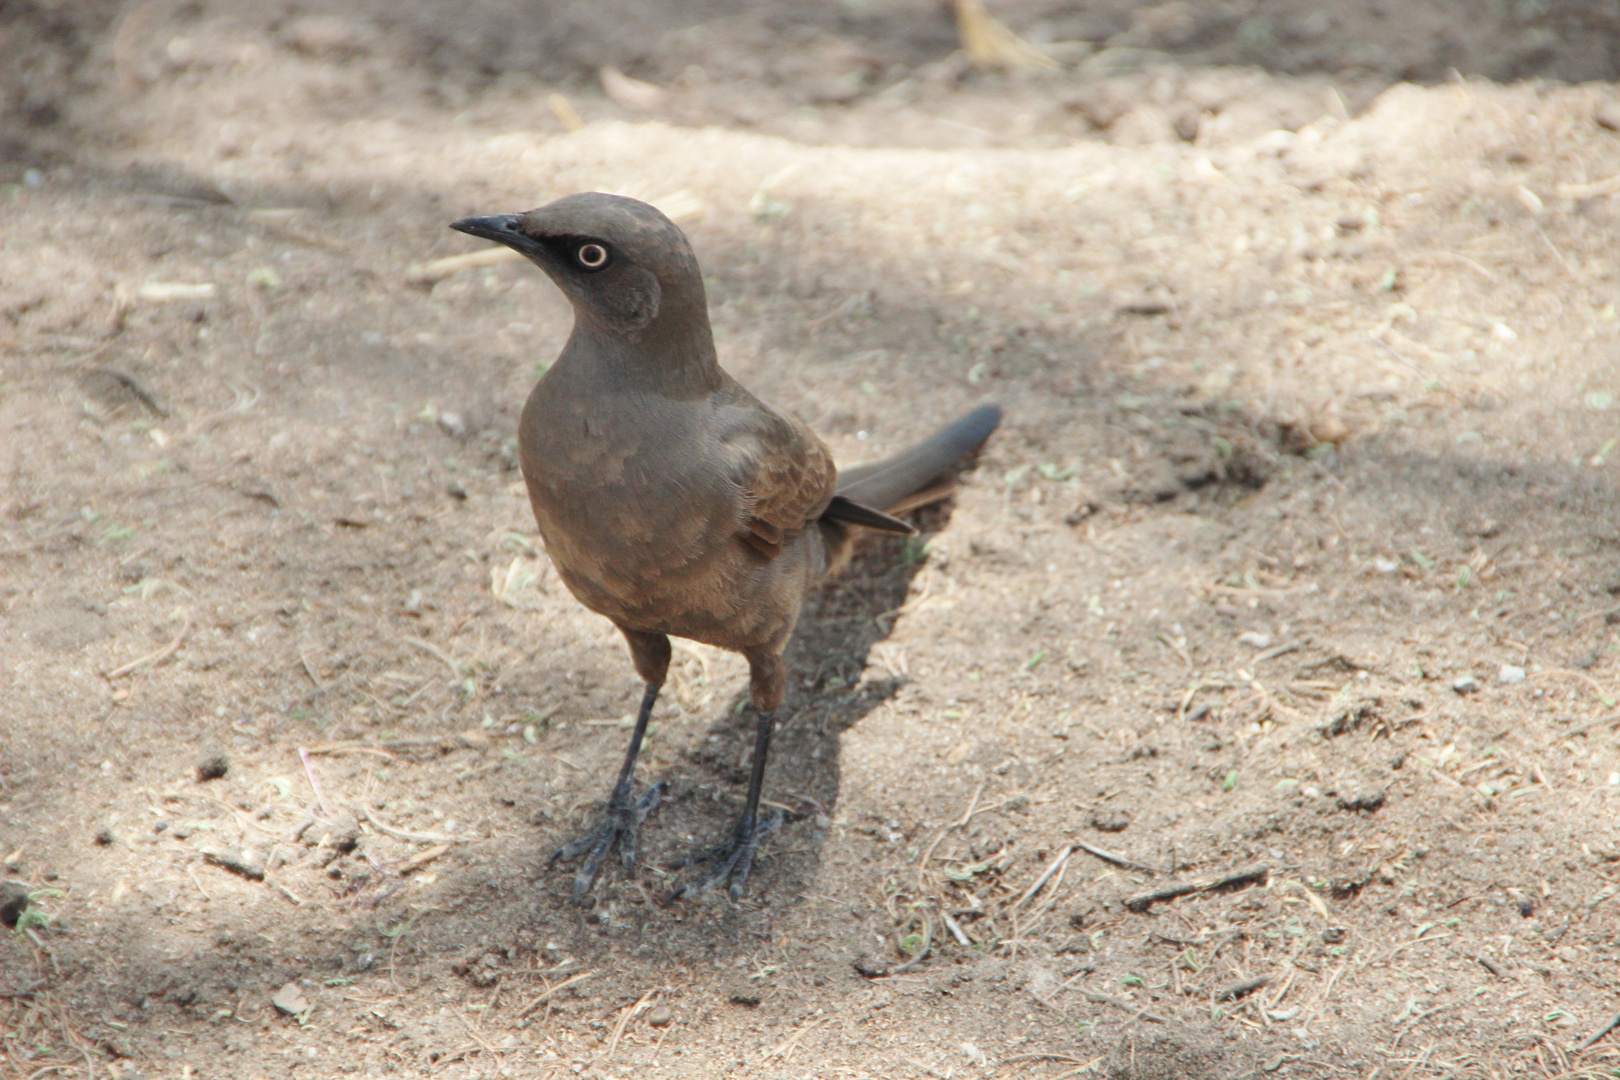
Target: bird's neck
x,y
671,357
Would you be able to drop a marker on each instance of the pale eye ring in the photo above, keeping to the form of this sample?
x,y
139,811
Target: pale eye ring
x,y
592,256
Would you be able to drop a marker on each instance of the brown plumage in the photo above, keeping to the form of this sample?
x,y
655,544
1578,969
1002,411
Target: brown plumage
x,y
670,499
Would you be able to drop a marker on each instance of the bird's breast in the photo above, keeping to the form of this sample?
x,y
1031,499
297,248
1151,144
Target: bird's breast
x,y
635,511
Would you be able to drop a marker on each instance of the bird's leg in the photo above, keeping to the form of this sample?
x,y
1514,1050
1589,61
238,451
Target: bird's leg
x,y
733,858
623,816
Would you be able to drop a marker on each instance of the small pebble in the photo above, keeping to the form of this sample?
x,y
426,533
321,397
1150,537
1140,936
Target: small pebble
x,y
1255,640
1510,675
662,1016
453,425
1465,685
212,768
104,837
1333,935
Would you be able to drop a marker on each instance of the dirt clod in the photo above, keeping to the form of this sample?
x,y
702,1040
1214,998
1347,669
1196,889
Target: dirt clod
x,y
1364,798
290,999
248,863
213,767
13,901
1109,821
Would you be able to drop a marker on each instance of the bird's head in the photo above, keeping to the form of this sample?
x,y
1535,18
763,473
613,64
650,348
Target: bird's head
x,y
621,263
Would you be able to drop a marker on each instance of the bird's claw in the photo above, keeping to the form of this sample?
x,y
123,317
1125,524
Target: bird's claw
x,y
732,859
620,824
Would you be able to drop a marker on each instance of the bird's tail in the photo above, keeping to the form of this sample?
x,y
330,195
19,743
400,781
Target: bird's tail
x,y
920,475
912,478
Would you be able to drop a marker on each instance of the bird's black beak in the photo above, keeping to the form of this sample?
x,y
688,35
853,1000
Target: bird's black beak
x,y
501,228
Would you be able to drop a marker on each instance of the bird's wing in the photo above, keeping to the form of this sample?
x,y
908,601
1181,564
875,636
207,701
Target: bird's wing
x,y
786,474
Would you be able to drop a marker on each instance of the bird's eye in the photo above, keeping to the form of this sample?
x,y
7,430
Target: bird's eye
x,y
592,256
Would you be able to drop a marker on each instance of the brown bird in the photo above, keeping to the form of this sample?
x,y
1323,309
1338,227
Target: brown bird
x,y
673,501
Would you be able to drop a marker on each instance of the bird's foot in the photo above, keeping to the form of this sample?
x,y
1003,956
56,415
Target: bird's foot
x,y
620,824
732,859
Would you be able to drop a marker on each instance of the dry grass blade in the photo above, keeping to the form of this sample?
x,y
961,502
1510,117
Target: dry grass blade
x,y
990,45
967,816
438,269
405,834
314,782
156,658
429,647
422,858
785,1048
628,1014
565,112
1593,190
551,991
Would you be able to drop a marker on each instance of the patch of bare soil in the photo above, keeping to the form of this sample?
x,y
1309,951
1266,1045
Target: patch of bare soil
x,y
1250,712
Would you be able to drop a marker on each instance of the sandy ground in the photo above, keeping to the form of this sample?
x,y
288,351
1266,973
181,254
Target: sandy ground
x,y
1288,591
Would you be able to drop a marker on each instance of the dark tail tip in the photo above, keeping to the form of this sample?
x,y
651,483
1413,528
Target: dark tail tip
x,y
886,484
980,423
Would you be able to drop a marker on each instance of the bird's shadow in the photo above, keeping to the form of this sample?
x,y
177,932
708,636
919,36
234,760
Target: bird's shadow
x,y
829,691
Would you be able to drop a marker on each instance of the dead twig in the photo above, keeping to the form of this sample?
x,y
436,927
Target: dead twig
x,y
1592,1040
1140,902
956,930
1602,721
1056,865
923,950
1276,651
134,386
1109,857
351,748
1243,989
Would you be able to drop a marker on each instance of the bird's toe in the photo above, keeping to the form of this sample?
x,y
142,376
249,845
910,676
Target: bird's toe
x,y
732,861
620,825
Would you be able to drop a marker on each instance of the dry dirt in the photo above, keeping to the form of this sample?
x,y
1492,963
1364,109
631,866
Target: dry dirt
x,y
1291,579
